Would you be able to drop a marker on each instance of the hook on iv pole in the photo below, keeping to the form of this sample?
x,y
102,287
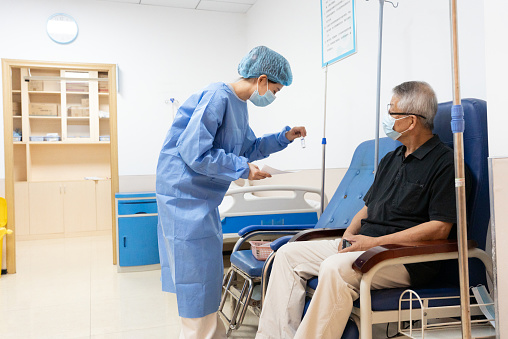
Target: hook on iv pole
x,y
391,2
394,5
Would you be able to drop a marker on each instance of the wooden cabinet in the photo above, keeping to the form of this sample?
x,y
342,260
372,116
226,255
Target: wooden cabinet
x,y
61,135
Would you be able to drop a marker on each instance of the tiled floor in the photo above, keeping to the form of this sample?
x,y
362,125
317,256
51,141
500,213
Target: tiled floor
x,y
68,288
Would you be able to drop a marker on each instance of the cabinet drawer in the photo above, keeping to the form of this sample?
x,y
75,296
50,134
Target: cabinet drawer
x,y
143,206
137,241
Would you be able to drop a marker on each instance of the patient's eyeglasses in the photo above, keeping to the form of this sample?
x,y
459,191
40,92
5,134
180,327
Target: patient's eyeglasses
x,y
397,113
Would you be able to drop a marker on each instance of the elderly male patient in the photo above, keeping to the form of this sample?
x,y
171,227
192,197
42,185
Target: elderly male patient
x,y
412,199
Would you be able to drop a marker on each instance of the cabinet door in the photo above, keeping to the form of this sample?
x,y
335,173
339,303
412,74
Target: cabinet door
x,y
78,107
103,198
137,241
22,206
79,206
46,208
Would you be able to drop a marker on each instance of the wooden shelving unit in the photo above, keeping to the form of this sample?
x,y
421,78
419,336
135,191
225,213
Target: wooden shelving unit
x,y
61,176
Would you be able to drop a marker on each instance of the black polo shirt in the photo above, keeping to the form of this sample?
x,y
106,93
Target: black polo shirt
x,y
410,191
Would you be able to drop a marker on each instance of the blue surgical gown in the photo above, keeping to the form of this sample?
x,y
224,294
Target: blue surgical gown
x,y
209,145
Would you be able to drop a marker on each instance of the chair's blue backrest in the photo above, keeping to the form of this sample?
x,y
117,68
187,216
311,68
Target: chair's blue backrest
x,y
475,156
348,198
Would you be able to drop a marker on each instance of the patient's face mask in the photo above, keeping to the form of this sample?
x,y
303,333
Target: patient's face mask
x,y
388,123
262,100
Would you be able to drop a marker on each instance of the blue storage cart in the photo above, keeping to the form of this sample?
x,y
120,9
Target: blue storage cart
x,y
136,216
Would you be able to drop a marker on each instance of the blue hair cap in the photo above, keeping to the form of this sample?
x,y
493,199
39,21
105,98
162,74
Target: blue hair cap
x,y
262,60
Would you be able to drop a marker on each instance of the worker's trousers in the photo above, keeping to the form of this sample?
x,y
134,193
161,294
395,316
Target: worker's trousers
x,y
207,327
331,305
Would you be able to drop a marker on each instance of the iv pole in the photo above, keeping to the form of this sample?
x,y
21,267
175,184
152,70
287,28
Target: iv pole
x,y
457,125
378,94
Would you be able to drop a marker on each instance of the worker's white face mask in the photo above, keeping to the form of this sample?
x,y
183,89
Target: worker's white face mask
x,y
388,123
262,100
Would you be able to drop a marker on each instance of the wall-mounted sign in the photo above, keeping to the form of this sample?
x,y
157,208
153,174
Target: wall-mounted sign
x,y
338,30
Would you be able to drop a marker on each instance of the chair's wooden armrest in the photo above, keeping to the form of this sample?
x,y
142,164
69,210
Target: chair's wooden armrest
x,y
317,233
378,254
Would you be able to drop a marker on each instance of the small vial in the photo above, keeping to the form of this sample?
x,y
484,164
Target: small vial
x,y
302,141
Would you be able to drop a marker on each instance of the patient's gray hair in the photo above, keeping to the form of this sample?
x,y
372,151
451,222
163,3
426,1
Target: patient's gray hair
x,y
419,98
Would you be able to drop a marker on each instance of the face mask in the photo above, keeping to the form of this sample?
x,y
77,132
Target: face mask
x,y
388,123
262,100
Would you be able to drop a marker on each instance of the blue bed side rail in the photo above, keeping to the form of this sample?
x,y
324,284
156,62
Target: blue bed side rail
x,y
236,223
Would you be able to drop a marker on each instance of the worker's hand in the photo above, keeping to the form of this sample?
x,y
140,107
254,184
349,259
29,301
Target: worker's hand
x,y
296,132
256,174
359,243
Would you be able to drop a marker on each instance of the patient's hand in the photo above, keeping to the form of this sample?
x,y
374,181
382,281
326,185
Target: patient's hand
x,y
359,243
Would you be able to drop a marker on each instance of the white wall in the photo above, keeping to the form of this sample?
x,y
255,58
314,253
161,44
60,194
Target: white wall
x,y
161,53
166,52
496,27
416,46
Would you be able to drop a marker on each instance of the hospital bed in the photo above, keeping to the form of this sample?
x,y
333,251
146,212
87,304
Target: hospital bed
x,y
136,219
279,205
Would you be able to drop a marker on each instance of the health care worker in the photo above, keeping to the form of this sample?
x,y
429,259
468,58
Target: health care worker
x,y
209,145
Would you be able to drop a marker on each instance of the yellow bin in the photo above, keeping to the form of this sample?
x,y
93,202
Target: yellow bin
x,y
3,222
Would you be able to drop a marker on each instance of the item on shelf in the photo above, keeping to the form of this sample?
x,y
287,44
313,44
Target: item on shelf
x,y
16,135
103,114
103,85
79,111
104,138
52,86
16,108
77,87
37,138
94,178
52,137
85,102
36,85
43,109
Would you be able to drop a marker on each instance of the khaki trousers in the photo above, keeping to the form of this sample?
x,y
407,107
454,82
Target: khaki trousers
x,y
331,305
207,327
